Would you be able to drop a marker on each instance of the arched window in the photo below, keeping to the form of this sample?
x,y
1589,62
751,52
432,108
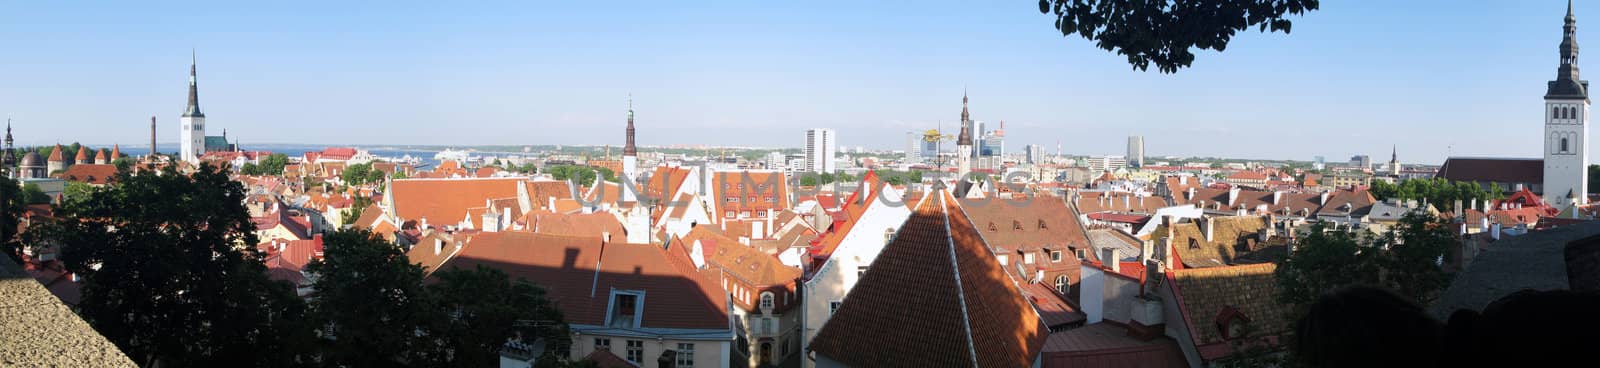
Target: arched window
x,y
1061,284
1564,145
766,300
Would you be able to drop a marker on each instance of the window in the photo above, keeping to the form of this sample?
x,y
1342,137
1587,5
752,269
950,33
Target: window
x,y
1041,225
1027,258
602,344
730,214
766,300
861,271
833,306
888,236
635,351
1194,244
733,199
766,326
1563,147
761,213
685,355
1002,259
1062,284
1082,254
624,310
1055,256
1016,225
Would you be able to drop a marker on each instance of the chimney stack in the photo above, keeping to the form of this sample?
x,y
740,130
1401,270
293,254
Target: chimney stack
x,y
1208,226
1494,230
1146,250
1108,256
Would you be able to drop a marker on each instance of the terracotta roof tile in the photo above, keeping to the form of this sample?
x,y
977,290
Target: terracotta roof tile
x,y
1190,243
445,201
1108,345
939,279
90,173
567,268
584,225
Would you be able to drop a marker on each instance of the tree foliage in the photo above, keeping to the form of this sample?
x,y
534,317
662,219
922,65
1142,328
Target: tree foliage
x,y
1406,259
1164,32
370,303
489,309
171,275
1439,192
360,174
32,194
12,204
583,175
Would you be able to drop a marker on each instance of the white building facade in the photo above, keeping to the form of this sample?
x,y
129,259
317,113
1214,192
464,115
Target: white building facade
x,y
830,283
1566,128
821,147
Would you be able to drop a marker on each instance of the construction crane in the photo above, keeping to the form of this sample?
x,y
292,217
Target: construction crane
x,y
933,135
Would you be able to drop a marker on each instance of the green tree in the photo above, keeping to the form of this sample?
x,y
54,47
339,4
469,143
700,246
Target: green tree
x,y
76,192
371,303
398,175
32,194
1162,32
357,205
273,164
13,202
808,180
357,174
1405,259
250,168
170,272
1323,260
490,308
124,163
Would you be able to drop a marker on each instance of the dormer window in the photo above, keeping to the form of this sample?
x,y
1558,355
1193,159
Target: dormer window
x,y
625,309
766,301
1016,225
1194,244
1042,225
992,227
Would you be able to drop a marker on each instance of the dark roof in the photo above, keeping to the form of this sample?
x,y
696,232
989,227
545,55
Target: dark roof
x,y
1109,345
214,141
938,280
1503,170
1532,261
1205,294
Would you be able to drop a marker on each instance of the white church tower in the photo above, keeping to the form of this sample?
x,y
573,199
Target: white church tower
x,y
1566,128
630,161
192,139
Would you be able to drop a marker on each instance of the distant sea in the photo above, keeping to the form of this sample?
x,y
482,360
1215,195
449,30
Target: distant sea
x,y
423,153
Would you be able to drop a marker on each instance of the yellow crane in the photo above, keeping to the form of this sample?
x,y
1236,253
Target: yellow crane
x,y
933,135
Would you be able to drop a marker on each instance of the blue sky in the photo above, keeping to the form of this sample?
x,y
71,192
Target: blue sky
x,y
1356,77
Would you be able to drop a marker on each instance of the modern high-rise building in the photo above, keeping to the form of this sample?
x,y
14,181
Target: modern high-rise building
x,y
1566,128
1106,163
821,147
1136,151
1035,154
992,145
913,147
1361,161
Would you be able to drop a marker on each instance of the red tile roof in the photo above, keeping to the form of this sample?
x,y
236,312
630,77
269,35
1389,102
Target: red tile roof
x,y
1091,202
583,225
445,201
1108,345
935,297
577,272
742,261
854,207
90,173
338,153
1052,306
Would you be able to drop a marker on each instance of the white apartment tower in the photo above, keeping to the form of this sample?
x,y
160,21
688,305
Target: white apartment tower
x,y
821,147
193,136
1136,151
1566,127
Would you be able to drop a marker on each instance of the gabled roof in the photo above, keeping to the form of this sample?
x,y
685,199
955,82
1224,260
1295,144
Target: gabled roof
x,y
1205,295
742,261
1026,225
665,181
579,272
540,192
1189,240
1091,202
445,201
584,225
90,173
935,297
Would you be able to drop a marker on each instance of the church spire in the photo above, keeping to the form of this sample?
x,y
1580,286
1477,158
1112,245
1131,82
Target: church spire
x,y
193,110
1567,85
965,138
629,149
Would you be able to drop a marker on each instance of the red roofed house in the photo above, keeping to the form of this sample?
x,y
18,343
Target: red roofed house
x,y
763,293
846,250
1037,240
1215,307
635,300
96,175
748,194
444,202
936,297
